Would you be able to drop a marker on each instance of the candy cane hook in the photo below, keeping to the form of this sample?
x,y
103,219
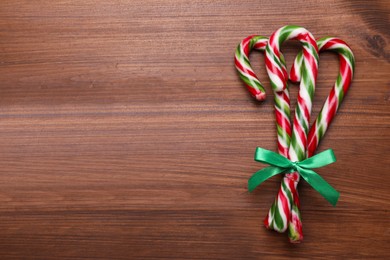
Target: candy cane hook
x,y
336,95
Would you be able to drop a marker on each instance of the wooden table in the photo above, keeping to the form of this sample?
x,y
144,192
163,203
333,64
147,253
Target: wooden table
x,y
125,132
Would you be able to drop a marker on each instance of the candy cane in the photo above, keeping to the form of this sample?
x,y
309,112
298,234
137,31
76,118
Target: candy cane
x,y
285,210
333,101
282,105
282,100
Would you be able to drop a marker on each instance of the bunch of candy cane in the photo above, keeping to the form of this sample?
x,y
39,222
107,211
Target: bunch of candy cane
x,y
296,141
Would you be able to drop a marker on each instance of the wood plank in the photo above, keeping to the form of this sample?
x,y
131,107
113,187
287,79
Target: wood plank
x,y
125,132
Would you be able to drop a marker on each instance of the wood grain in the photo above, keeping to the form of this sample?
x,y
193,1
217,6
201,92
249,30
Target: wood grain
x,y
125,132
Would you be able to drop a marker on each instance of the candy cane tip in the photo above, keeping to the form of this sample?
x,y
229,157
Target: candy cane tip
x,y
294,77
296,241
261,96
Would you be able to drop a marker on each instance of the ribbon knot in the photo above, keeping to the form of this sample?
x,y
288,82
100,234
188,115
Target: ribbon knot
x,y
279,164
294,165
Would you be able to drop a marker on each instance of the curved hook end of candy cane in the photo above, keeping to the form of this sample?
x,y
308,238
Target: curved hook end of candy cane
x,y
261,96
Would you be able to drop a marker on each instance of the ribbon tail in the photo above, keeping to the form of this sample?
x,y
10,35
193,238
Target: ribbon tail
x,y
320,185
262,175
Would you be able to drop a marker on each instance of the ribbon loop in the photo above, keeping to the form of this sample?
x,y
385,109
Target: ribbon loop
x,y
269,157
279,164
319,160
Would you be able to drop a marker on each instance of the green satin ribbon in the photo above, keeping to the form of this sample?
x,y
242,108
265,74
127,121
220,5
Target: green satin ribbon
x,y
280,164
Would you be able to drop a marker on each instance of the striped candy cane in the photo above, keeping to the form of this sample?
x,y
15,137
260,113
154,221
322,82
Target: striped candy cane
x,y
285,210
282,103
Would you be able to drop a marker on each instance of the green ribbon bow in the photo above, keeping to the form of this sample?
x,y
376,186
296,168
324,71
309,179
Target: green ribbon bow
x,y
280,164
